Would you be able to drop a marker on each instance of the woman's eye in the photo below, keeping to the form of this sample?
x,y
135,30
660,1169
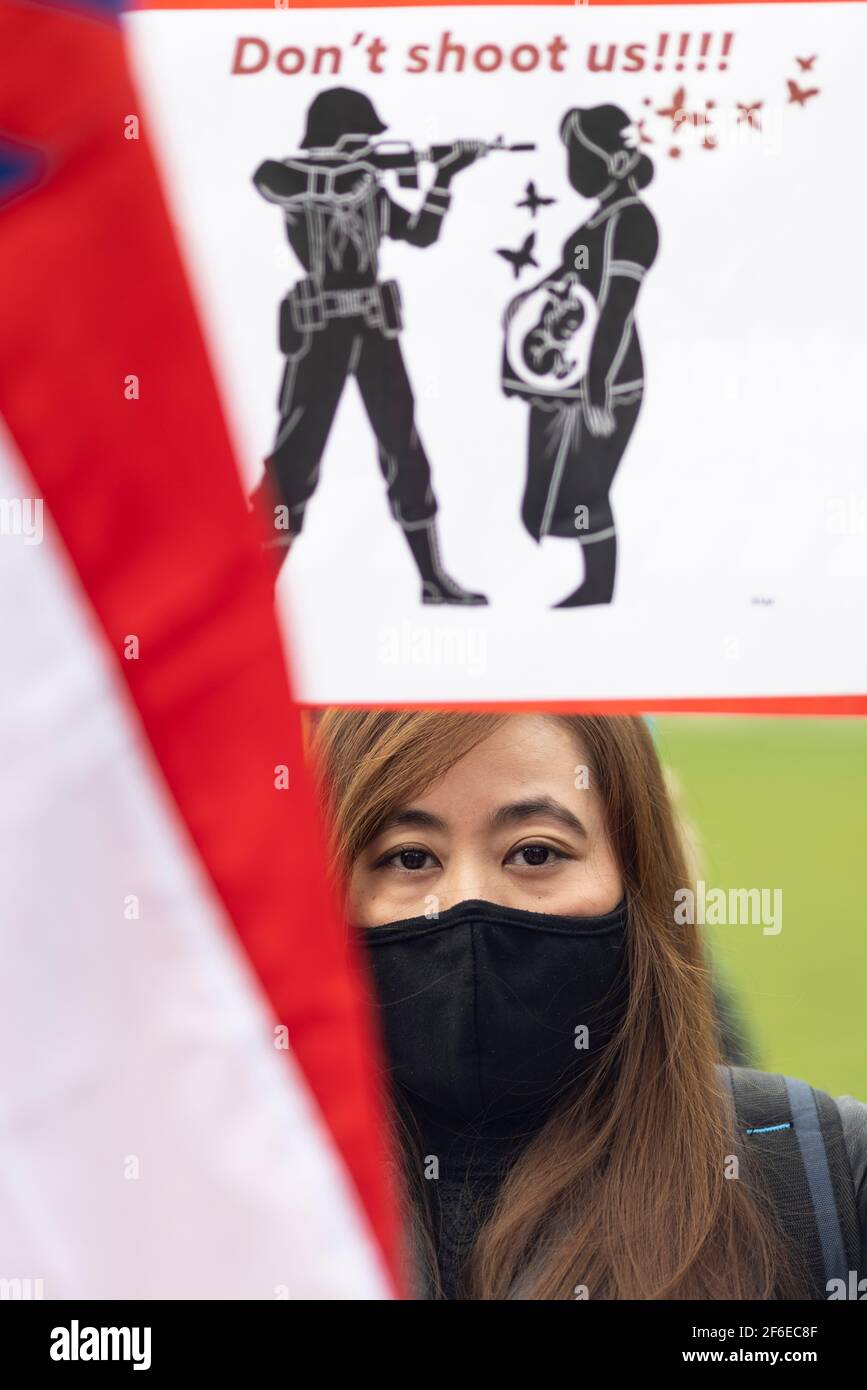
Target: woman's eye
x,y
535,856
409,859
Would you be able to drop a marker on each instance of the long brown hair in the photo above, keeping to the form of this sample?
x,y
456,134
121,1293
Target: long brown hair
x,y
626,1192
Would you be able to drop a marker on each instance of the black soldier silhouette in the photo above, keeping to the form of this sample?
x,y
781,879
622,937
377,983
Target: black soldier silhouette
x,y
572,350
341,320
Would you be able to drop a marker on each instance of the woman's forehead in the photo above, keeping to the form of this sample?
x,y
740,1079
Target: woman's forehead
x,y
526,757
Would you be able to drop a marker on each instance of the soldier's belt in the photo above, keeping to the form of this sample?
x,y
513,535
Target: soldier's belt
x,y
343,303
379,305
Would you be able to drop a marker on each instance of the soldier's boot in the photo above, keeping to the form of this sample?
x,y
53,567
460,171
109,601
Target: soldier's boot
x,y
436,585
600,564
277,540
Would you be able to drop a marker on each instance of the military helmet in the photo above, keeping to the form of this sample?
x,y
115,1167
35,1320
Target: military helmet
x,y
336,112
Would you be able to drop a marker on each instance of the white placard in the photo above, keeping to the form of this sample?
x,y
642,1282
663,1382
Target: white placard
x,y
740,499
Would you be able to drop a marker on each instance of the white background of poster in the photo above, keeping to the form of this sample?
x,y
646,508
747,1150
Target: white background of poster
x,y
741,501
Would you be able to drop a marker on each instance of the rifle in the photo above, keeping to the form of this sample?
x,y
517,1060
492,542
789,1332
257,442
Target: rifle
x,y
402,157
329,171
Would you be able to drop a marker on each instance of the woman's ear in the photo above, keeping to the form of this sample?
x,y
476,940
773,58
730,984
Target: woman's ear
x,y
622,162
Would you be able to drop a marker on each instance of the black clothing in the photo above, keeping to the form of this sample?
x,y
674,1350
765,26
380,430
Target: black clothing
x,y
853,1114
336,233
472,1162
339,322
491,1014
570,469
792,1138
312,385
570,472
617,244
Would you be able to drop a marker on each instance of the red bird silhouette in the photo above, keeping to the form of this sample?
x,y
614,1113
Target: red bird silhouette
x,y
799,95
806,64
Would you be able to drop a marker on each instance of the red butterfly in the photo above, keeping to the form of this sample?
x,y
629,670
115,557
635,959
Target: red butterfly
x,y
677,104
747,112
799,95
806,64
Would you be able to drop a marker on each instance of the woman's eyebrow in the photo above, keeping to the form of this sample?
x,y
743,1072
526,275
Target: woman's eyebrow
x,y
538,806
412,816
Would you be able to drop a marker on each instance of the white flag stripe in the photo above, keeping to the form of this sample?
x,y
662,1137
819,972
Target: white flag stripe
x,y
153,1141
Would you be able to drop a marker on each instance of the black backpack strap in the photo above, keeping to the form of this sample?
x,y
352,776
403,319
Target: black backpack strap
x,y
791,1137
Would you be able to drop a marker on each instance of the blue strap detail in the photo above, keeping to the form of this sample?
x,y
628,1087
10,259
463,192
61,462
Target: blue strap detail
x,y
768,1129
805,1115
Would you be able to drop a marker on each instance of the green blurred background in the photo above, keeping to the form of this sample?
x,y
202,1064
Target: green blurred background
x,y
782,803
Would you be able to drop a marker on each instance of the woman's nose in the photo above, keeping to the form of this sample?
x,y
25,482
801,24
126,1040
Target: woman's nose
x,y
469,881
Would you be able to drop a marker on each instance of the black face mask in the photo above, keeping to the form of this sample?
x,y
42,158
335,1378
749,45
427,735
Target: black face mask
x,y
485,1008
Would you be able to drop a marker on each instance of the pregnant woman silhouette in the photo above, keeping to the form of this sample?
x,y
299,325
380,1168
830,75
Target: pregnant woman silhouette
x,y
572,349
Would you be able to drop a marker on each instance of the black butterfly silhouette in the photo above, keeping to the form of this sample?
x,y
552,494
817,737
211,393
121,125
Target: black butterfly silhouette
x,y
534,200
521,258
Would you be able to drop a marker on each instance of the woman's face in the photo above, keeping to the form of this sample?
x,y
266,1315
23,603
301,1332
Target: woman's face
x,y
587,173
517,821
